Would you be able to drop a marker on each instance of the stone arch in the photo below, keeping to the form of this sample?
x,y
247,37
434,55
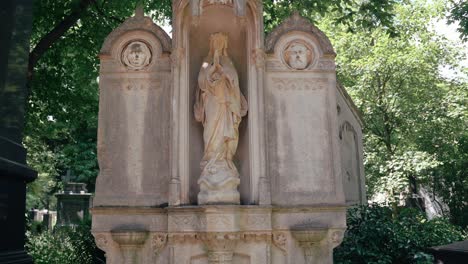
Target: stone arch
x,y
351,171
298,23
139,23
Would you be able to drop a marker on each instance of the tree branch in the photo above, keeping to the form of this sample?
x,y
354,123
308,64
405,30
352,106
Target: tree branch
x,y
58,31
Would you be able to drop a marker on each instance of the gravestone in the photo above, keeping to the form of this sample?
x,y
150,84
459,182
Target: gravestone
x,y
73,204
15,30
221,145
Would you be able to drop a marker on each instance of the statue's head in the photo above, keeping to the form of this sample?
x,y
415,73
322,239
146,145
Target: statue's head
x,y
136,55
297,55
218,42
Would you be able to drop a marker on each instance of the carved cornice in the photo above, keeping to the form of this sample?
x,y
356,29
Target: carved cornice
x,y
298,23
137,23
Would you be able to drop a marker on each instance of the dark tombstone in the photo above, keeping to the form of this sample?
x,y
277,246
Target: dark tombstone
x,y
73,204
15,29
454,253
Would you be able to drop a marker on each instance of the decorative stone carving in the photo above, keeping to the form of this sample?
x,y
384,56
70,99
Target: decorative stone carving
x,y
136,55
220,246
257,236
138,22
220,107
101,242
158,242
130,243
197,6
336,237
310,240
297,55
280,241
299,84
298,23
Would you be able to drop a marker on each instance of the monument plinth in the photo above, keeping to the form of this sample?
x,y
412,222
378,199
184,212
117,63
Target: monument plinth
x,y
221,146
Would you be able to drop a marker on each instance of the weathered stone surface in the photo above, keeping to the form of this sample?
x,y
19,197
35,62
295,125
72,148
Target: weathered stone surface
x,y
303,151
350,135
288,154
134,116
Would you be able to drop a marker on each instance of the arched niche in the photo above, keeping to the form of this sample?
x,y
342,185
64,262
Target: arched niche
x,y
192,29
350,167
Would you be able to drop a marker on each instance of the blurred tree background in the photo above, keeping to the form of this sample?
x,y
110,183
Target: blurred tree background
x,y
390,59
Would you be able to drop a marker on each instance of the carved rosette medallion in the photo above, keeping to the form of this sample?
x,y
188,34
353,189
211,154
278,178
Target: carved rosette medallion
x,y
297,55
136,56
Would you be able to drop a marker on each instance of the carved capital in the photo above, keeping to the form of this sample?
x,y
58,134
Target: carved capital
x,y
130,243
220,246
310,241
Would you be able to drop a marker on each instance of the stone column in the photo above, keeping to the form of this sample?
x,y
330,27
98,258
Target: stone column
x,y
15,29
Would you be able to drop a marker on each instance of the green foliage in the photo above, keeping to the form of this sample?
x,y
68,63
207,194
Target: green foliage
x,y
415,119
62,110
459,14
378,234
352,14
65,245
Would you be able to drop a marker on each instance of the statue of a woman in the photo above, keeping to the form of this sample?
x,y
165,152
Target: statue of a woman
x,y
220,106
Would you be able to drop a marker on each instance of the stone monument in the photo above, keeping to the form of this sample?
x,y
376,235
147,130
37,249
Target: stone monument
x,y
73,204
220,145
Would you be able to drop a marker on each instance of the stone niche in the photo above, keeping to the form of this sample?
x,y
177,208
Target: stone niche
x,y
299,154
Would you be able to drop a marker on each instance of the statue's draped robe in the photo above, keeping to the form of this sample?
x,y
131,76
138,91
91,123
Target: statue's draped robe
x,y
219,106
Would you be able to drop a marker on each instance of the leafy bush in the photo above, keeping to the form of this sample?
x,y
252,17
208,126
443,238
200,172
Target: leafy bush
x,y
379,234
66,245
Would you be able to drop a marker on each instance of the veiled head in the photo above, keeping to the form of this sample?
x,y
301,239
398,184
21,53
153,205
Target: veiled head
x,y
218,42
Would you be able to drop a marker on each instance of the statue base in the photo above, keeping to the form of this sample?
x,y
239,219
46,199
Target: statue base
x,y
218,184
214,234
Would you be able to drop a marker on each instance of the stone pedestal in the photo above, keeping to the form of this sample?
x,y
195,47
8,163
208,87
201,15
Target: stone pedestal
x,y
15,28
219,234
73,204
289,205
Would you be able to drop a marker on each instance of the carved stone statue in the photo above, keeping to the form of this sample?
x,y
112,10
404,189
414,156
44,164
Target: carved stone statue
x,y
297,55
136,55
220,106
